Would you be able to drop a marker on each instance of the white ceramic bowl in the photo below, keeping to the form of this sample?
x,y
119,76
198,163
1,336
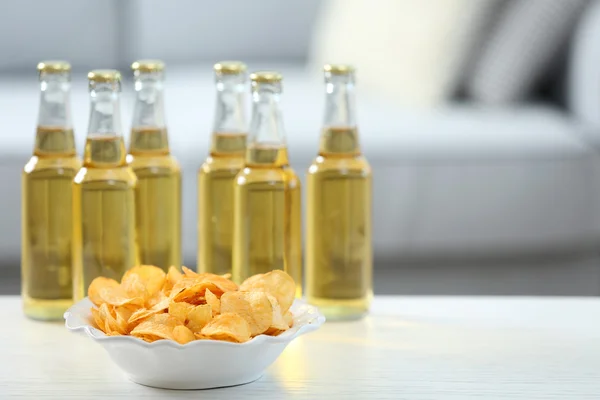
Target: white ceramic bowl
x,y
200,364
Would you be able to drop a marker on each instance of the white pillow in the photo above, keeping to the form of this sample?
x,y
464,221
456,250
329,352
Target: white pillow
x,y
410,51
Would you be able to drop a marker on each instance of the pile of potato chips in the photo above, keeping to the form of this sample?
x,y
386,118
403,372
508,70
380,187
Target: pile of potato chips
x,y
153,305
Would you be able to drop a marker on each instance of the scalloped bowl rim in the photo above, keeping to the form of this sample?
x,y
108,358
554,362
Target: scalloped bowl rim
x,y
75,314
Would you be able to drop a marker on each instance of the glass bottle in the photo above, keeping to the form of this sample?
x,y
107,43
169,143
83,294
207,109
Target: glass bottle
x,y
217,174
158,190
104,242
267,210
339,265
47,200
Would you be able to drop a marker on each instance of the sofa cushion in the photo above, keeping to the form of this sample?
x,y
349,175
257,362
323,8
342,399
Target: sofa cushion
x,y
411,51
524,42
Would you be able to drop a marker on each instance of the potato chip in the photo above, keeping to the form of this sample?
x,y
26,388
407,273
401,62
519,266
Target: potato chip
x,y
159,301
213,301
148,338
277,283
106,290
123,313
224,284
194,293
251,281
173,276
180,310
144,313
200,336
229,327
198,317
98,284
135,287
184,283
159,325
188,272
221,281
151,278
110,323
278,324
98,320
254,307
122,326
183,334
140,315
289,318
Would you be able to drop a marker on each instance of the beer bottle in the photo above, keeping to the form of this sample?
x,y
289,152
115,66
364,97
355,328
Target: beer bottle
x,y
104,242
216,175
267,210
47,200
338,255
158,190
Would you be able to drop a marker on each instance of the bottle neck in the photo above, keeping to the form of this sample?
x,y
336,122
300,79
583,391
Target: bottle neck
x,y
266,144
340,135
229,128
266,126
229,111
54,136
55,105
340,108
148,129
104,146
105,111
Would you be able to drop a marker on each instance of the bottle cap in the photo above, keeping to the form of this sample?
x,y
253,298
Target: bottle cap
x,y
148,66
104,76
266,77
338,69
54,67
230,67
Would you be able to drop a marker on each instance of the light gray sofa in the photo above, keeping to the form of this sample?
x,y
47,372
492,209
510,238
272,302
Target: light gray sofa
x,y
460,181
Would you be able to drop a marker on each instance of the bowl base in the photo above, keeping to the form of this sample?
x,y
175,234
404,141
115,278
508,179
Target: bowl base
x,y
193,385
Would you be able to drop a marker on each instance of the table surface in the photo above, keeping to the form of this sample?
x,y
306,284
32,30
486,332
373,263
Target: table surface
x,y
407,348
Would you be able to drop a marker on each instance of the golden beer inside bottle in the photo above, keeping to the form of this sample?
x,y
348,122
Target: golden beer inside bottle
x,y
158,203
216,176
54,141
339,253
267,231
149,141
267,156
104,151
104,213
47,223
228,144
215,201
339,141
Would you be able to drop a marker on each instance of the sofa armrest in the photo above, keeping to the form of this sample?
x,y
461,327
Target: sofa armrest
x,y
584,67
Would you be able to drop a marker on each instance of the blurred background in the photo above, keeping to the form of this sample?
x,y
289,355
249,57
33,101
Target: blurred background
x,y
481,119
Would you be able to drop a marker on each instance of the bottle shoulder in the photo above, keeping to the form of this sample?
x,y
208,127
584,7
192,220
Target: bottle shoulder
x,y
123,175
156,162
218,165
356,165
52,165
291,177
248,175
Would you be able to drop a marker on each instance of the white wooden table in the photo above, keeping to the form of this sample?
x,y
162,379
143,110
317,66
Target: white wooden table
x,y
408,348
